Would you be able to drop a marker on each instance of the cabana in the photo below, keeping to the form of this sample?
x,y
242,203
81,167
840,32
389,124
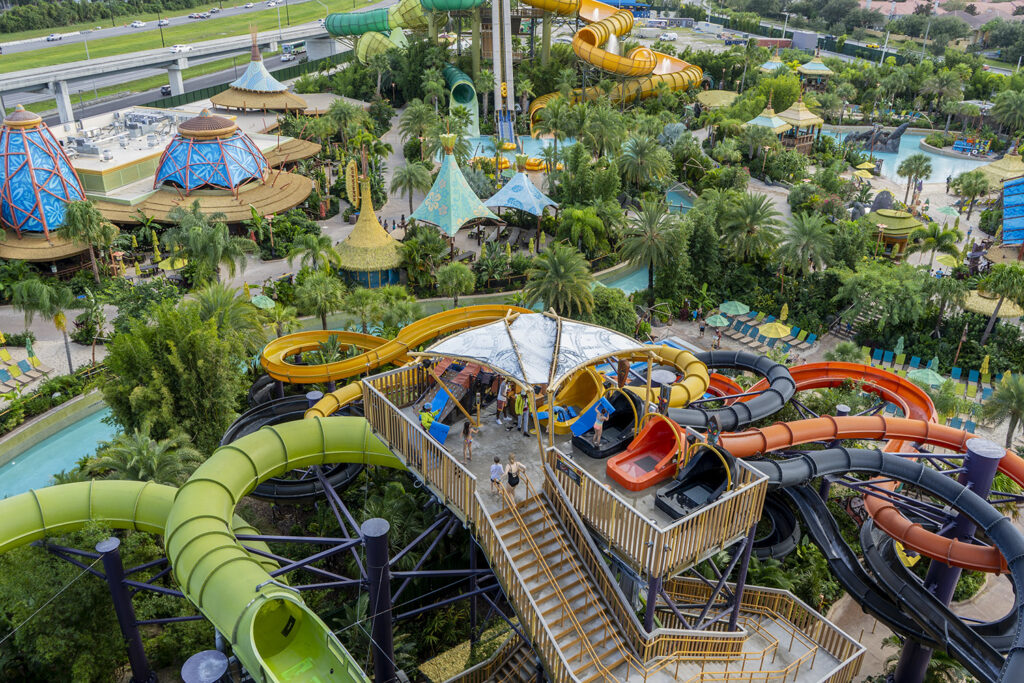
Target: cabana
x,y
814,73
894,228
451,202
520,193
770,120
806,125
369,256
773,65
257,90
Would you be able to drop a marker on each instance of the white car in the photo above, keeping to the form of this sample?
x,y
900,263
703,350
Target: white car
x,y
249,5
137,24
164,22
181,48
54,36
667,36
288,57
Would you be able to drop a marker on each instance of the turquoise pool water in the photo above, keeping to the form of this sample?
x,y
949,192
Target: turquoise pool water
x,y
35,467
677,201
910,143
533,147
634,282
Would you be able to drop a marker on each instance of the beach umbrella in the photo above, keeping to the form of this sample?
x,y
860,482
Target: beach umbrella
x,y
734,308
774,330
926,376
263,301
948,260
948,211
784,313
135,242
865,166
899,346
984,365
172,263
28,347
863,174
718,320
984,303
933,364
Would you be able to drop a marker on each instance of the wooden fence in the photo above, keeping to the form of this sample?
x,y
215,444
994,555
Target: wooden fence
x,y
485,670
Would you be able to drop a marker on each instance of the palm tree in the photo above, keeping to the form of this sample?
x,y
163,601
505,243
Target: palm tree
x,y
751,224
33,296
232,314
943,86
650,239
454,279
948,290
912,168
1008,109
845,352
560,277
433,86
755,138
423,250
830,105
526,91
343,115
583,227
643,161
206,242
85,225
932,238
1007,403
283,318
1005,280
417,119
365,305
605,129
139,457
411,178
316,251
484,83
846,92
553,120
807,245
320,294
972,185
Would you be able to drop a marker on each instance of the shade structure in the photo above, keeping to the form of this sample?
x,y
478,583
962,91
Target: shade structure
x,y
1010,166
536,348
772,65
948,260
774,330
369,248
947,211
815,67
716,99
863,174
985,304
451,202
257,89
896,224
263,301
718,321
770,120
520,193
799,115
209,152
926,376
36,178
734,308
866,166
1013,211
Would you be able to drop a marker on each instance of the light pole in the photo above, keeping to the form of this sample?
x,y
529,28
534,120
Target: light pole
x,y
158,20
279,37
287,17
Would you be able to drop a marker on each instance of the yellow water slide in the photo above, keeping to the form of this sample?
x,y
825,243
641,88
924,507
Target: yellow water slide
x,y
644,68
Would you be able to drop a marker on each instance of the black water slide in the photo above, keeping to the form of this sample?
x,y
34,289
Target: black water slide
x,y
801,469
781,388
300,486
783,536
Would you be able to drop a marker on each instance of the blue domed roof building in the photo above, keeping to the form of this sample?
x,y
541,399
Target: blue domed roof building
x,y
209,152
36,178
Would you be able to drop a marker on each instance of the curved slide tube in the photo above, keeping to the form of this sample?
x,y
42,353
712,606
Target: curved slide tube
x,y
695,382
784,535
380,351
463,94
1006,538
780,389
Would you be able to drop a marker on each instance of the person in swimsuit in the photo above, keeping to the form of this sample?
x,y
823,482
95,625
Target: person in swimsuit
x,y
497,472
513,472
599,420
469,430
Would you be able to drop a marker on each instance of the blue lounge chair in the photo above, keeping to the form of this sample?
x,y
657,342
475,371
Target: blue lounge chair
x,y
811,338
890,409
969,427
887,358
770,319
973,376
876,357
986,393
955,423
915,362
955,373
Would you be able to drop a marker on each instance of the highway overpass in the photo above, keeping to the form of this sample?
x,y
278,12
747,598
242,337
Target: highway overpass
x,y
56,80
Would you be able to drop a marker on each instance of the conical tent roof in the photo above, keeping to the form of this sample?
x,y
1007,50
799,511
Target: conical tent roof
x,y
769,119
898,224
815,67
1010,166
210,152
36,178
257,89
451,202
368,247
799,115
256,77
520,193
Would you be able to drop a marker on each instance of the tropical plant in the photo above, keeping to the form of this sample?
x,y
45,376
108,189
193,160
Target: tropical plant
x,y
416,120
845,352
526,91
560,277
50,300
136,456
583,227
422,251
1005,280
411,178
914,167
454,279
643,161
948,290
365,305
206,242
94,319
553,120
807,245
971,185
895,293
750,225
932,239
283,318
320,294
756,138
948,399
314,251
234,317
649,239
1008,109
85,225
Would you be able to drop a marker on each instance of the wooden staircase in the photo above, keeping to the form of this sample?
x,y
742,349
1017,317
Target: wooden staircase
x,y
562,589
520,667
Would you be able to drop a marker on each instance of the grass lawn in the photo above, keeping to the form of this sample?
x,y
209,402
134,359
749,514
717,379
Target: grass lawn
x,y
144,84
193,32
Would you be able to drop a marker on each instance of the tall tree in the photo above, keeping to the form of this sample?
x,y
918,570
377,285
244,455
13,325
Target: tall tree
x,y
643,161
484,83
751,225
807,244
1007,403
283,318
649,238
454,279
206,242
895,292
914,167
320,294
234,317
50,300
972,185
365,305
416,121
1008,109
560,277
410,178
946,290
933,238
313,251
553,120
136,456
1005,280
85,225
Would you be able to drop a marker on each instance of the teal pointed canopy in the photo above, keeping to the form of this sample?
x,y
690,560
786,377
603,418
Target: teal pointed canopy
x,y
257,79
451,202
520,193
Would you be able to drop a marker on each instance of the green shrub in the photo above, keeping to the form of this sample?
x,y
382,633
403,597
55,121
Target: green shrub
x,y
51,393
20,338
939,140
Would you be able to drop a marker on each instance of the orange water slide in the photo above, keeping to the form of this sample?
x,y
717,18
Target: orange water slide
x,y
378,351
898,432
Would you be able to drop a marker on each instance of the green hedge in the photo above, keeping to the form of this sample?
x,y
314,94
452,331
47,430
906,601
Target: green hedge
x,y
50,394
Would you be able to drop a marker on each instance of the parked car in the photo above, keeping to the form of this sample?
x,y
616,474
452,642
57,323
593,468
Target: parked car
x,y
214,10
249,5
288,57
165,90
54,36
163,22
181,48
137,24
204,15
194,15
667,36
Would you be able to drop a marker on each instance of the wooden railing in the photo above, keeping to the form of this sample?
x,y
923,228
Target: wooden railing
x,y
655,550
485,670
427,459
404,385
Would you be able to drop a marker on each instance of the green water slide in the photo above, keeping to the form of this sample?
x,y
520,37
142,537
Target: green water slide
x,y
379,30
272,632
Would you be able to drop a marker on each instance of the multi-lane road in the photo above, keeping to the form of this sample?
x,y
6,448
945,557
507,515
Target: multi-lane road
x,y
125,29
